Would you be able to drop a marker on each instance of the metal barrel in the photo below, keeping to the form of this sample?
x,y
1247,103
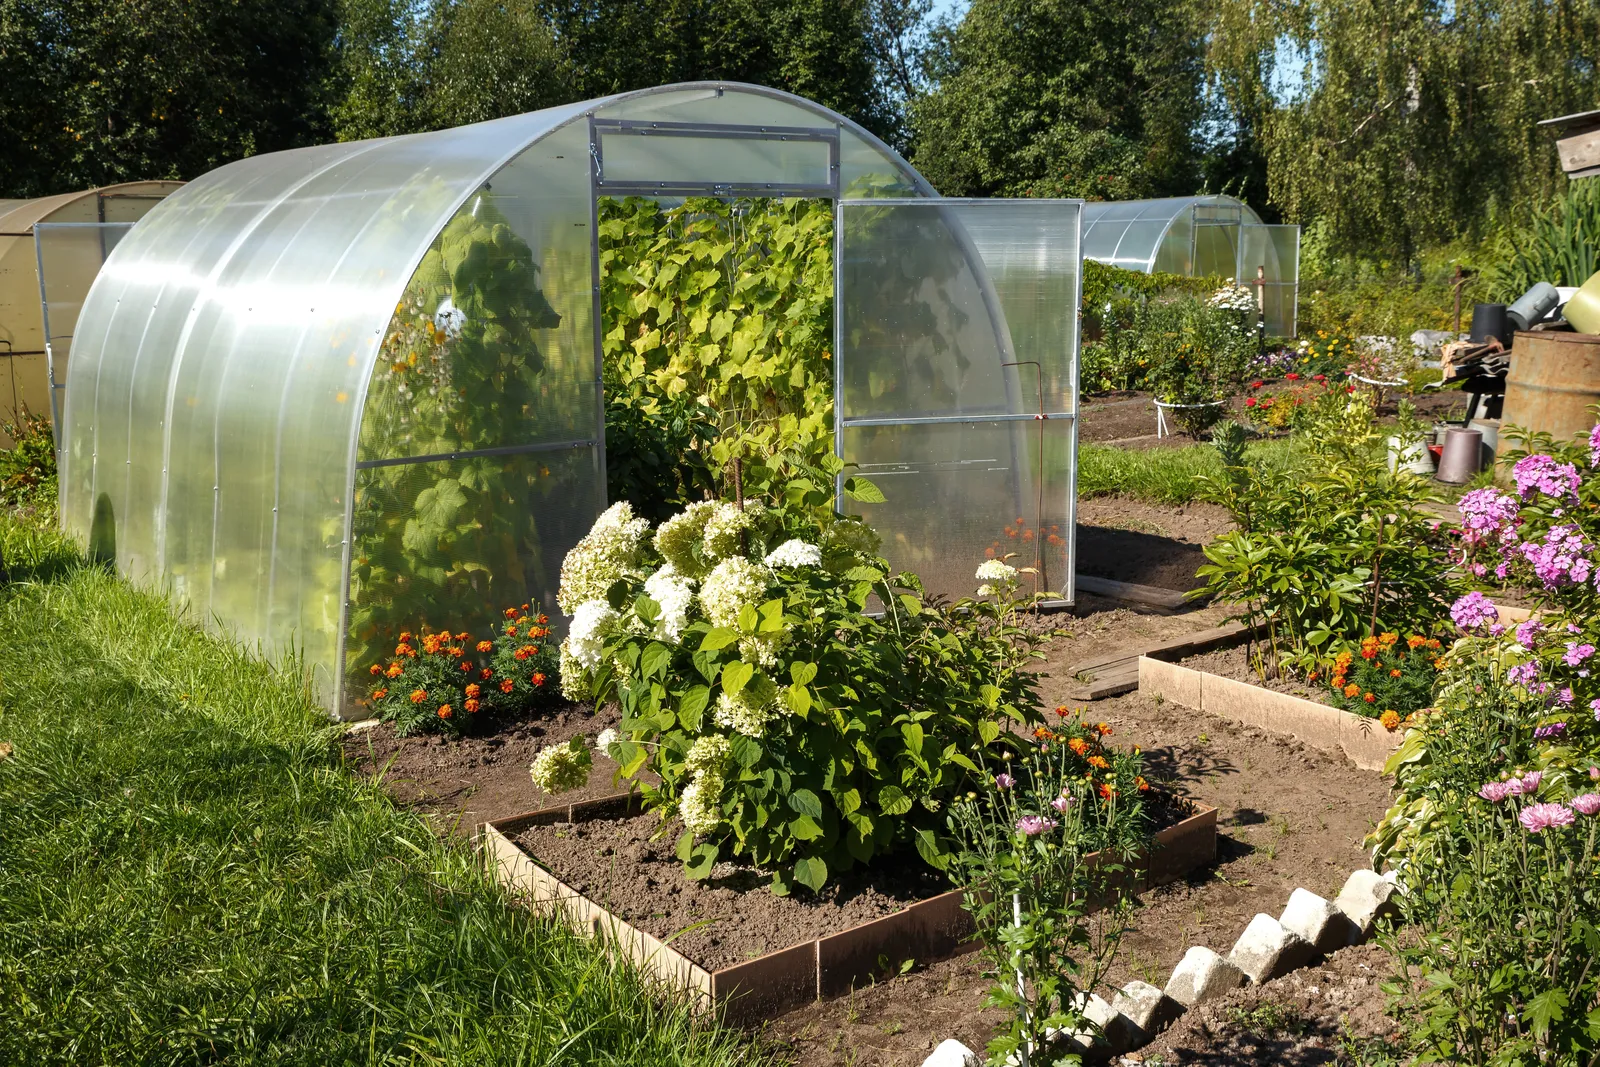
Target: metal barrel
x,y
1553,381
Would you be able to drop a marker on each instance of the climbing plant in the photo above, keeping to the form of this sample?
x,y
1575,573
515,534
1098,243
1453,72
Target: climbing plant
x,y
717,324
462,369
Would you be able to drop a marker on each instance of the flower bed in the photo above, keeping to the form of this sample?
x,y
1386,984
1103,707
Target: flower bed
x,y
829,959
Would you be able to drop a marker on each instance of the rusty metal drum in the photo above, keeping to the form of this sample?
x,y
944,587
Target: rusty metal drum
x,y
1553,381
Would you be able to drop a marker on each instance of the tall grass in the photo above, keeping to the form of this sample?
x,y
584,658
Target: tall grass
x,y
1163,475
188,874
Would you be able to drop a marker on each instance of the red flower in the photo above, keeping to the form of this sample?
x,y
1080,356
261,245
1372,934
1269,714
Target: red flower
x,y
1292,376
1257,384
507,685
538,679
486,674
485,646
471,705
465,665
444,711
1250,402
511,613
1319,377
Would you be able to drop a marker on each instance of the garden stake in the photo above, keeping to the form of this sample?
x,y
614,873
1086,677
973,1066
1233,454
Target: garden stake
x,y
1022,988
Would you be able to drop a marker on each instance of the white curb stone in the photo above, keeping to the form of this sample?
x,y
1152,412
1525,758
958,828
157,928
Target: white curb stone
x,y
952,1053
1316,920
1143,1011
1201,976
1364,900
1266,950
1097,1011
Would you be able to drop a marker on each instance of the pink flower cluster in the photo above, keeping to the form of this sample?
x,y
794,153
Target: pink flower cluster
x,y
1528,633
1543,474
1035,824
1486,513
1594,446
1473,610
1539,817
1495,792
1562,558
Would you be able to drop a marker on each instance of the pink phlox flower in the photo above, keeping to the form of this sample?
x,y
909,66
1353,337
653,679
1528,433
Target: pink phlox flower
x,y
1594,446
1523,674
1497,630
1536,818
1544,474
1486,513
1577,653
1562,558
1528,632
1473,610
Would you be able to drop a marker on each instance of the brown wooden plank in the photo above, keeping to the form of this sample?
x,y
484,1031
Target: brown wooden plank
x,y
1579,152
1146,595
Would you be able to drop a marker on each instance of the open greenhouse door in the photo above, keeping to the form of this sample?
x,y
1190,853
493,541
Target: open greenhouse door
x,y
956,382
1269,262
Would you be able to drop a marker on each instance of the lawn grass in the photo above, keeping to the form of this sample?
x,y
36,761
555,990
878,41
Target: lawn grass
x,y
188,873
1164,475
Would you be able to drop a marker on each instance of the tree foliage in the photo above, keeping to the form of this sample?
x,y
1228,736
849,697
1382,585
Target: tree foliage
x,y
99,92
1057,98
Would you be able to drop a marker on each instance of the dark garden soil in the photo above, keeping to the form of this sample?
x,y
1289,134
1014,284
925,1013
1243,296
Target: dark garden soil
x,y
1288,816
1240,663
1147,544
480,777
628,865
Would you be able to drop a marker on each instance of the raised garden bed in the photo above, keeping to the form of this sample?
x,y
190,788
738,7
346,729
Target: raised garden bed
x,y
838,946
1364,741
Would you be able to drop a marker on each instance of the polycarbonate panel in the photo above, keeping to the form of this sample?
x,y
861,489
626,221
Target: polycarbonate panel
x,y
1270,255
69,257
1216,249
959,493
679,157
450,544
223,358
1161,235
939,296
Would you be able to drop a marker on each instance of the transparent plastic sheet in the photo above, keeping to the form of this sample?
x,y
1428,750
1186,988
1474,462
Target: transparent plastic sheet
x,y
69,257
936,299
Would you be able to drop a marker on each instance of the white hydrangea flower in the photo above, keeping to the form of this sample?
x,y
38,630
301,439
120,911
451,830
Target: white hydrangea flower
x,y
852,535
697,804
761,649
609,551
722,530
586,639
986,590
678,537
605,739
731,585
675,594
742,713
995,570
794,553
708,755
560,768
574,679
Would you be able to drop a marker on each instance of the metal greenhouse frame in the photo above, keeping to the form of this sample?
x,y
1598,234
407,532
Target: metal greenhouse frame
x,y
324,394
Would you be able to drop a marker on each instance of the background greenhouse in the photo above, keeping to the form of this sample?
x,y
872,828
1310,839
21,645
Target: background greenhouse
x,y
331,393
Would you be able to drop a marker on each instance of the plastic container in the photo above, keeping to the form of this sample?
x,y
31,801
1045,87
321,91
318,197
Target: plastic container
x,y
1462,456
1489,320
1532,307
1583,308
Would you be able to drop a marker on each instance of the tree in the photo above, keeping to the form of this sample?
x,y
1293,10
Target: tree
x,y
491,58
99,92
1062,98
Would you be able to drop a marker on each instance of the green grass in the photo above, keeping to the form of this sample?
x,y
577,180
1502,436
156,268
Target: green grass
x,y
189,875
1163,475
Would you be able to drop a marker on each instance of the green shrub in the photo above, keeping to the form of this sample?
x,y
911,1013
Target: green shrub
x,y
1558,243
28,467
789,728
1120,352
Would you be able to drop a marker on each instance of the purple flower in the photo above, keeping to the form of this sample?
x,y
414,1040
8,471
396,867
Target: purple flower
x,y
1562,558
1587,804
1528,632
1486,514
1542,474
1038,824
1577,653
1594,446
1574,628
1594,706
1061,804
1495,792
1538,817
1550,731
1523,674
1004,781
1473,610
1497,630
1563,697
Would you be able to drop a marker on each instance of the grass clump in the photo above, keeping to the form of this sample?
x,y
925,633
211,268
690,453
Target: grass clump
x,y
1166,475
188,874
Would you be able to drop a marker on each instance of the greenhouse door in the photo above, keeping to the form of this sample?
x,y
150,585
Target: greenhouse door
x,y
956,382
1269,262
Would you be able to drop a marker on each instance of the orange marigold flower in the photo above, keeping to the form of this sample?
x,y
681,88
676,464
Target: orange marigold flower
x,y
418,696
1387,639
511,631
1433,642
1040,733
1078,745
466,665
523,653
444,711
471,705
380,694
1144,786
511,613
1106,791
485,646
543,619
394,671
1416,641
1100,762
1311,677
506,685
374,669
1061,710
1394,672
1342,660
456,650
988,553
462,636
537,679
1369,652
1351,690
474,689
403,649
1390,719
405,635
1103,729
1369,698
486,674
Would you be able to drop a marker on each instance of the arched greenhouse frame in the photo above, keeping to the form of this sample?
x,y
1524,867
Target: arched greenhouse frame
x,y
328,393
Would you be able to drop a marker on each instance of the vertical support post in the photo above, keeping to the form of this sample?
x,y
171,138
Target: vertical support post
x,y
595,178
838,345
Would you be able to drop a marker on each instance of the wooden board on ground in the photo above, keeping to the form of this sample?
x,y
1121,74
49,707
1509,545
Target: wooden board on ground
x,y
1114,673
1162,601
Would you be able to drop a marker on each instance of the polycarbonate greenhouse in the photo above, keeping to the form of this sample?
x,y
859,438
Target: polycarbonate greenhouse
x,y
327,394
1198,236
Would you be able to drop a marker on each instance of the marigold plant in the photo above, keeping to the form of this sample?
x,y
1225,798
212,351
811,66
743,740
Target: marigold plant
x,y
1387,677
443,682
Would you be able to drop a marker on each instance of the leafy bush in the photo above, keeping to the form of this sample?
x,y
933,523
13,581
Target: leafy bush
x,y
1111,357
1387,678
28,467
1331,552
445,683
789,728
717,328
1019,859
1559,243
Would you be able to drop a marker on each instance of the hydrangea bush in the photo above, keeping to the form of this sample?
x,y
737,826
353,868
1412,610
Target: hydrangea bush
x,y
789,729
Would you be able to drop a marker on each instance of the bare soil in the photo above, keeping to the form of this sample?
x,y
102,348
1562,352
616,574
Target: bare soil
x,y
1241,664
481,777
1148,544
